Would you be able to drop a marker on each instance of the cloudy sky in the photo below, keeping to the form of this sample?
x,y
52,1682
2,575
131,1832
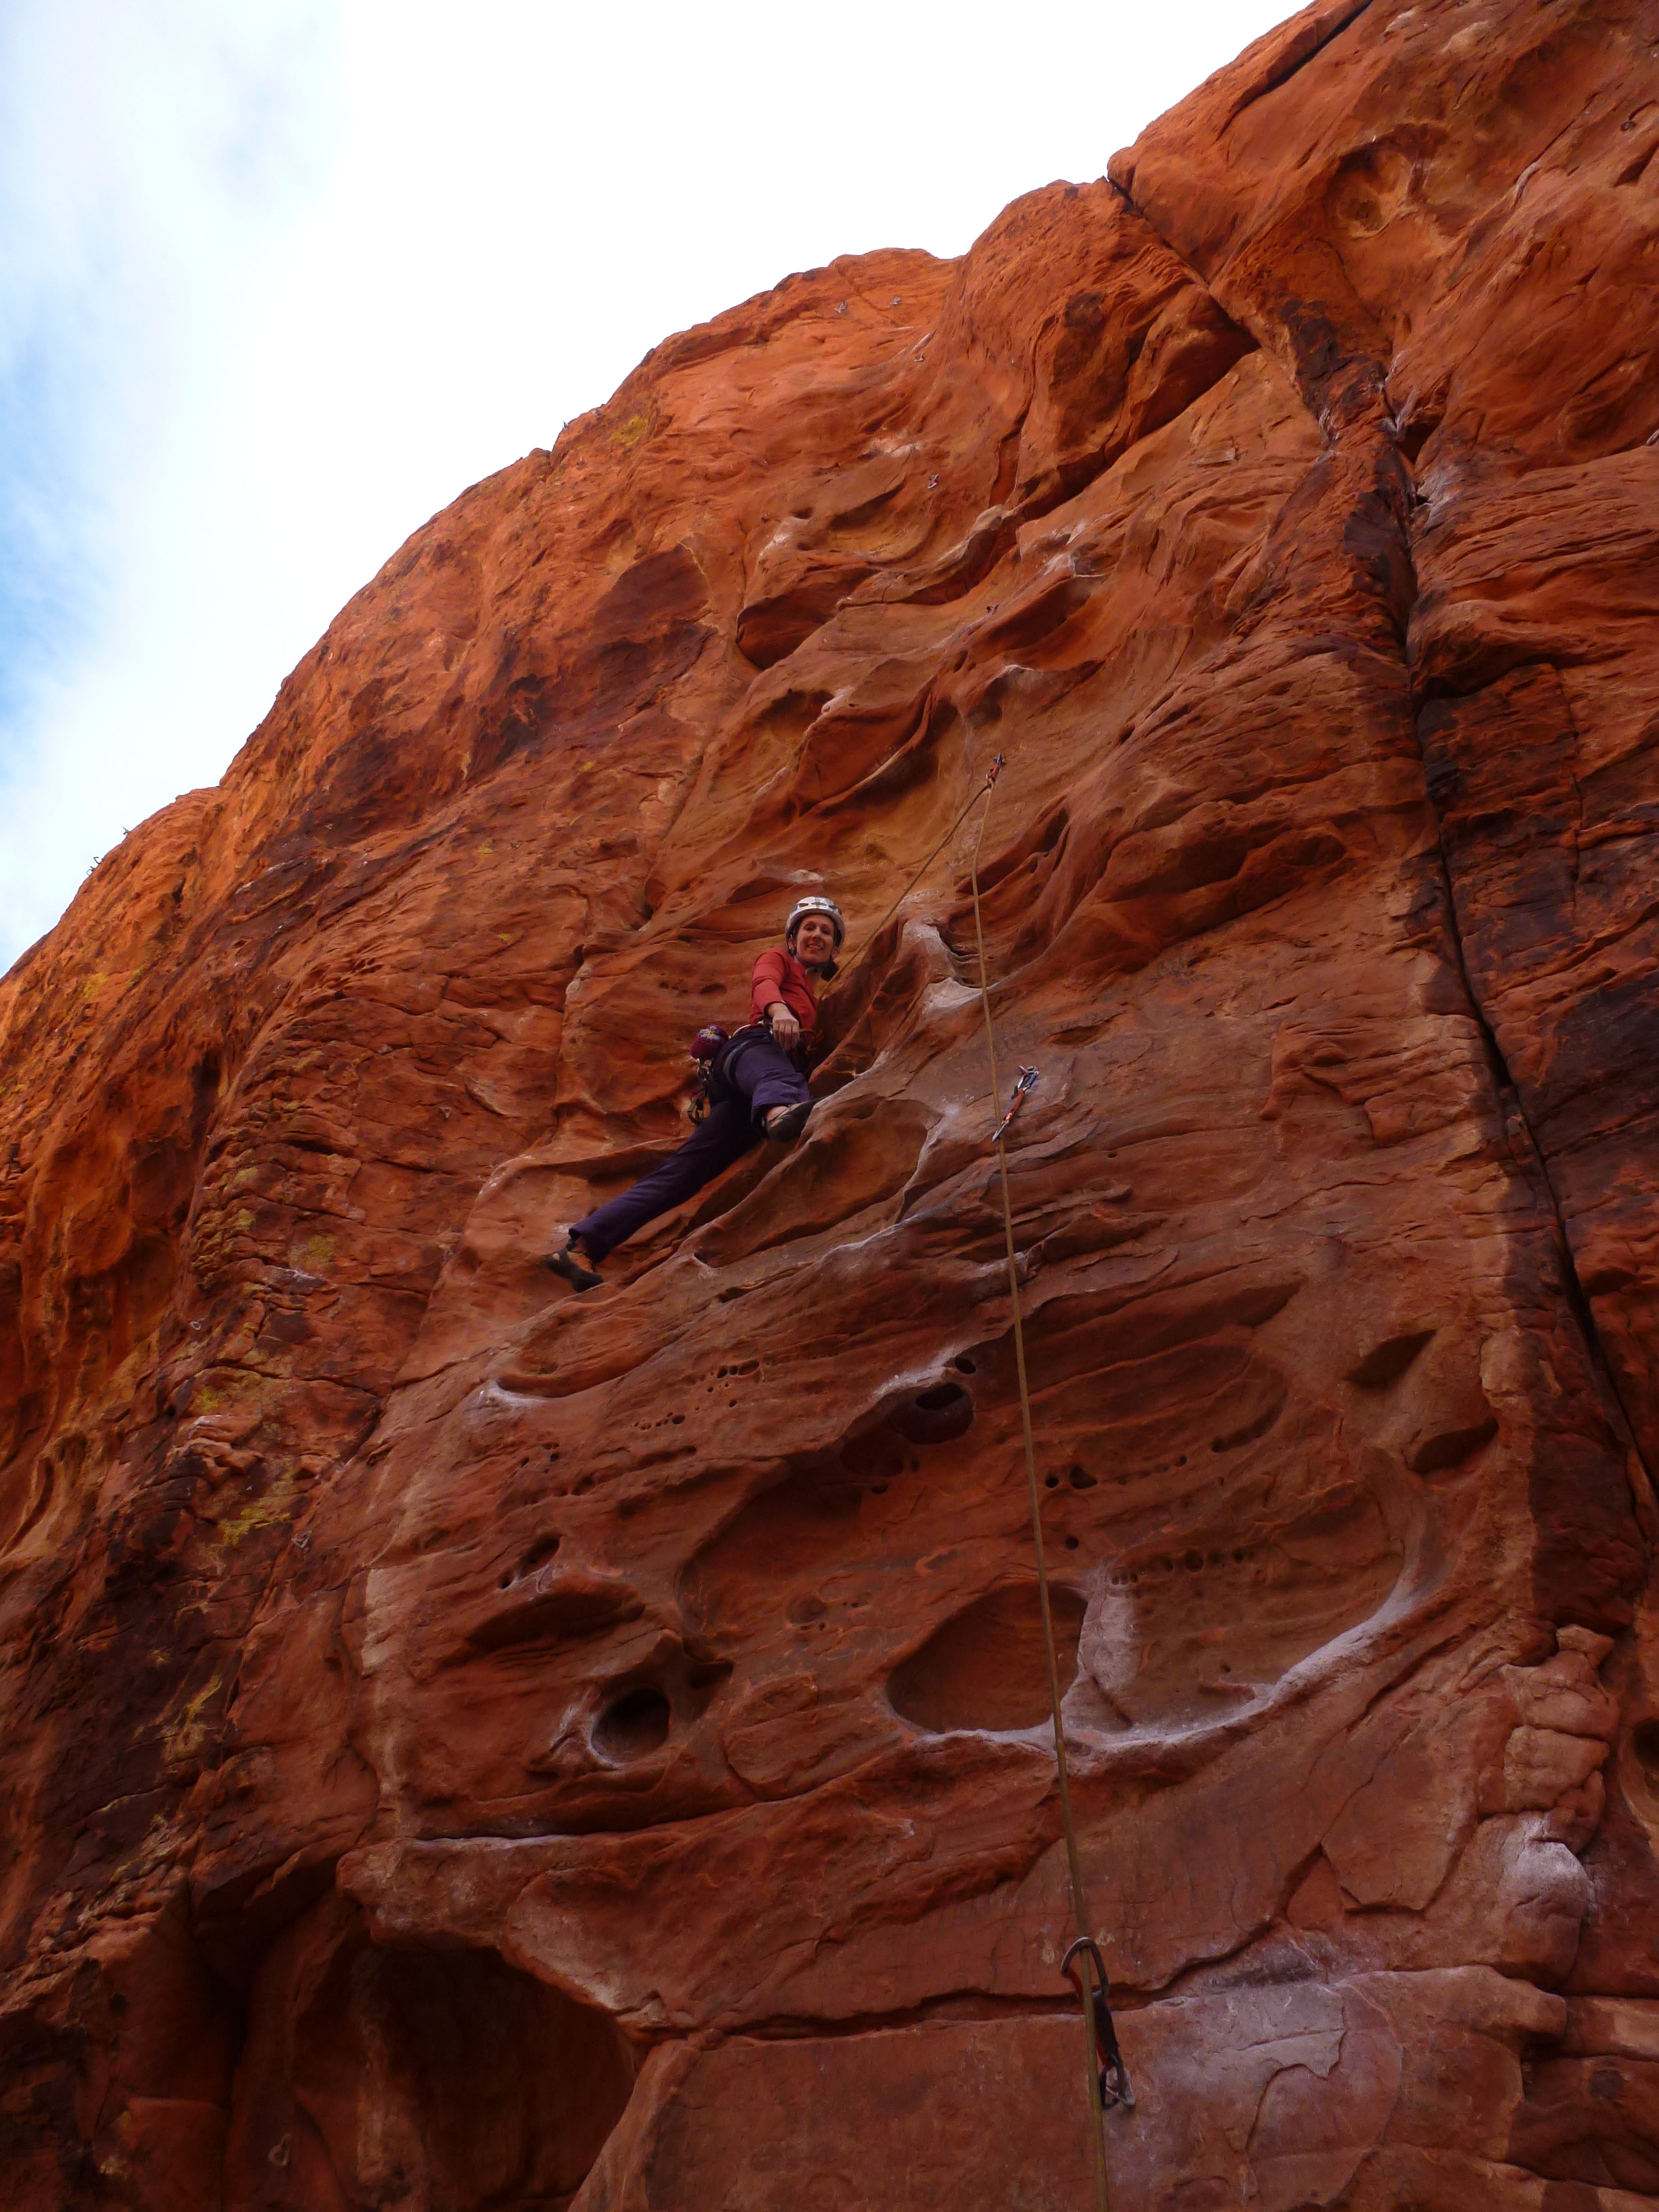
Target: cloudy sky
x,y
279,278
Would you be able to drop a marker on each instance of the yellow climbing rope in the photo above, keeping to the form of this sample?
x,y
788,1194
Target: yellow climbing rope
x,y
1099,2042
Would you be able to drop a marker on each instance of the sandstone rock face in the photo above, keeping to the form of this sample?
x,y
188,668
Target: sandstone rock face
x,y
470,1746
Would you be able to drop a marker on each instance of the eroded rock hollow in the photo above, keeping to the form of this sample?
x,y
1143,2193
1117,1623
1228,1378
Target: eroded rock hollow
x,y
470,1746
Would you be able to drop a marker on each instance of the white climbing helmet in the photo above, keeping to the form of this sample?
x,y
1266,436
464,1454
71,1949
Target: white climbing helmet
x,y
813,904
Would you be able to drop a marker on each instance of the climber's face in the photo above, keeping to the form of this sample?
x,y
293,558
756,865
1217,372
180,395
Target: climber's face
x,y
815,940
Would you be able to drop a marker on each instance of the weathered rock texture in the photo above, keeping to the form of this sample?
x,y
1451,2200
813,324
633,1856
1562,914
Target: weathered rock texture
x,y
466,1747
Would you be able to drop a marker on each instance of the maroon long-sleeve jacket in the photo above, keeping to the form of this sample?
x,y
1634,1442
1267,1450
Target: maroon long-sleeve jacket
x,y
779,975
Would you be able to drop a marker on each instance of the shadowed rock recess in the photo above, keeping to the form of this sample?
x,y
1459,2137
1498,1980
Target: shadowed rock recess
x,y
466,1747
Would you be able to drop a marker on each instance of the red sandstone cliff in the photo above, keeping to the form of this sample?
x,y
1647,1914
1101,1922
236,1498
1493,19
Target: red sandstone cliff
x,y
465,1746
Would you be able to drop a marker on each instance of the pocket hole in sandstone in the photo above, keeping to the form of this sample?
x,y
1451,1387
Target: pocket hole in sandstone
x,y
1387,1362
1450,1447
1051,1482
1080,1481
937,1416
985,1668
635,1726
494,2088
1644,1742
539,1554
1251,1430
963,1365
1070,1543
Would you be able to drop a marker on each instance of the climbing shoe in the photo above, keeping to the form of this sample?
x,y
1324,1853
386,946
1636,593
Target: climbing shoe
x,y
572,1264
784,1122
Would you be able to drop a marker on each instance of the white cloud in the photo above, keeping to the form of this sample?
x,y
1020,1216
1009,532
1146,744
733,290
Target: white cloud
x,y
311,266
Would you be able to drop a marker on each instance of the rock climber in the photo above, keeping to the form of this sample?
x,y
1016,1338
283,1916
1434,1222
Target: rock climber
x,y
756,1085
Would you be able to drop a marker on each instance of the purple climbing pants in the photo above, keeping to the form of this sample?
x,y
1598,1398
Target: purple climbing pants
x,y
750,1077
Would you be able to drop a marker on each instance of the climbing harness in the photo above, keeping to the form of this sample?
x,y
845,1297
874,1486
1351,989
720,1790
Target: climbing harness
x,y
1108,2077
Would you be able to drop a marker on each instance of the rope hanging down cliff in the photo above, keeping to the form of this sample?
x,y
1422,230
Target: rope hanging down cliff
x,y
1082,1965
1106,2078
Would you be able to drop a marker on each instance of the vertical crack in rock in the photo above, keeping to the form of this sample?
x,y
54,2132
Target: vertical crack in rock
x,y
1516,1114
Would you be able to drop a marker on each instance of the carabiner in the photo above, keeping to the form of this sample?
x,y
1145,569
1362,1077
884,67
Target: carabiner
x,y
1113,2073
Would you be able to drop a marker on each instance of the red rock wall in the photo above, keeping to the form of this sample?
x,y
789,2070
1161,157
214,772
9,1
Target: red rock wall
x,y
466,1747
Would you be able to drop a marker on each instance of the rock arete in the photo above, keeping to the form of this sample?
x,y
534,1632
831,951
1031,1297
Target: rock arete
x,y
470,1747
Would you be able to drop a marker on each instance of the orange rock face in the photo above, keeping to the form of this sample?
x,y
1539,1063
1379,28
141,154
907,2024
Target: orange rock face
x,y
470,1746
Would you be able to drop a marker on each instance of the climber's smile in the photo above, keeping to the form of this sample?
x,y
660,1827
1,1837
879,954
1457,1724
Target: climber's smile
x,y
815,940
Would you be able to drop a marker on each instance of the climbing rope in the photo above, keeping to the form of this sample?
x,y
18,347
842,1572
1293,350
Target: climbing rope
x,y
1107,2080
1110,2084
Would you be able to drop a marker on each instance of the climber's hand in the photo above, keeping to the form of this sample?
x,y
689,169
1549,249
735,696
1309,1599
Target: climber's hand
x,y
786,1029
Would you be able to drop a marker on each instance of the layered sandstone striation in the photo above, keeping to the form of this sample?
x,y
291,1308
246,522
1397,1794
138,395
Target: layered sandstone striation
x,y
469,1747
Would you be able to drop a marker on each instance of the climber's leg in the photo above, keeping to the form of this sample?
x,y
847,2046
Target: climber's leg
x,y
725,1136
763,1074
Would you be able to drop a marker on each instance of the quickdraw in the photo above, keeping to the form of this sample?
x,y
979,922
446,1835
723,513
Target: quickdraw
x,y
1115,2087
1023,1090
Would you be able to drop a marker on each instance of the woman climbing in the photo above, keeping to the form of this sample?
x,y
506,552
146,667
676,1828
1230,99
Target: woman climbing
x,y
756,1083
